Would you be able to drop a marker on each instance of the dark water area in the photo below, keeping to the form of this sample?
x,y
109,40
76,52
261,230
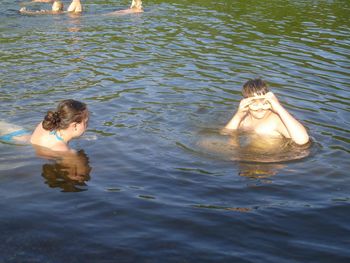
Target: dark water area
x,y
158,83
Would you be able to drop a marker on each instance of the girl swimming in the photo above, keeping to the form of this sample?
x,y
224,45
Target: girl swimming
x,y
59,127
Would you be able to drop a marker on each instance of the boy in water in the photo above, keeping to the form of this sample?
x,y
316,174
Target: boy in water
x,y
260,112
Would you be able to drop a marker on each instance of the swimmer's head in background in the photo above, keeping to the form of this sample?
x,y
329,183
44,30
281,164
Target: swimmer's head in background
x,y
137,4
57,6
254,87
67,112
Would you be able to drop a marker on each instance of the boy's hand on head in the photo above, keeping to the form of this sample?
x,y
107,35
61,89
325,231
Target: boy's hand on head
x,y
240,114
271,95
272,99
244,106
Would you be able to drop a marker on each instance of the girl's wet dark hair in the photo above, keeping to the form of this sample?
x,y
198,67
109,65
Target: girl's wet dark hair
x,y
254,87
67,112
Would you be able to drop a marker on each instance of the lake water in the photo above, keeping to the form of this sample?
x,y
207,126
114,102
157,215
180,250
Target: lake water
x,y
156,84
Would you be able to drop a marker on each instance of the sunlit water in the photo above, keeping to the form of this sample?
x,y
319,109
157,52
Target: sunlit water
x,y
157,84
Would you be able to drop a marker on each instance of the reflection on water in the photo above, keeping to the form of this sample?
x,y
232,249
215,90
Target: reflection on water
x,y
235,209
74,24
259,170
70,173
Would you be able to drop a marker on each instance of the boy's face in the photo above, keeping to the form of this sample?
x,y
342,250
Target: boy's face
x,y
259,107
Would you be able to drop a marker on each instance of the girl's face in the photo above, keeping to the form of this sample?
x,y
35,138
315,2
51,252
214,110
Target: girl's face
x,y
259,107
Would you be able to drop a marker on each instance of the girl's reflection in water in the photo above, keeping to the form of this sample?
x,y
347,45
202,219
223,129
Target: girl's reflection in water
x,y
70,172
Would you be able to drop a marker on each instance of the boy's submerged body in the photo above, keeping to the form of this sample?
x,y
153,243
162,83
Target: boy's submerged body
x,y
260,112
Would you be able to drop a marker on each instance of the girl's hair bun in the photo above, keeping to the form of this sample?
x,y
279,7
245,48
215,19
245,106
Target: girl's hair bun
x,y
52,120
67,112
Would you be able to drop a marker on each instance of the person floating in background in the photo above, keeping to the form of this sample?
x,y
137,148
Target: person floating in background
x,y
57,8
260,112
135,7
59,127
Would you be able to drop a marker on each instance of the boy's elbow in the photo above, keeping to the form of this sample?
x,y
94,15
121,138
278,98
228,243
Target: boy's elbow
x,y
302,140
226,131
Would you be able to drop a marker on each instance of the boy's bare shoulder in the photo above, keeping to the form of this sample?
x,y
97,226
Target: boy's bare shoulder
x,y
276,122
274,118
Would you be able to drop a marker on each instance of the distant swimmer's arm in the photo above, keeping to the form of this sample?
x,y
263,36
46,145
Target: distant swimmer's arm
x,y
242,111
292,128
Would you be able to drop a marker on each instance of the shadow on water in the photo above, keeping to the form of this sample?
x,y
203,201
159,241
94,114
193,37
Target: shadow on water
x,y
70,173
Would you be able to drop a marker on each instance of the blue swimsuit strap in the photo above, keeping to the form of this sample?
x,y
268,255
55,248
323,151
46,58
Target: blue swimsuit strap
x,y
59,138
9,137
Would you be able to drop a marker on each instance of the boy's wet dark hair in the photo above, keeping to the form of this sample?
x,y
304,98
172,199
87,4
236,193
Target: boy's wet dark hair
x,y
254,87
